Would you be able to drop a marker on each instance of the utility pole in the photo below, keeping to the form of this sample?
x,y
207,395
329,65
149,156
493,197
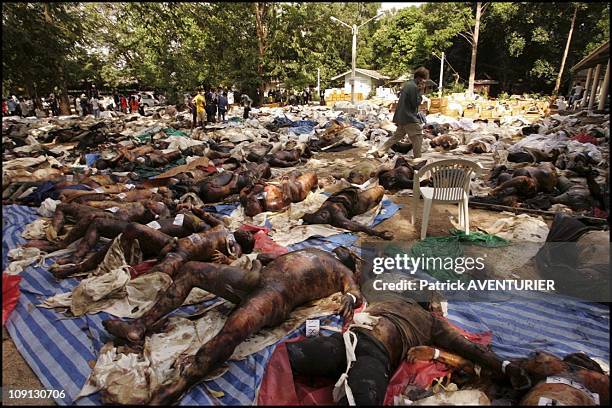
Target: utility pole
x,y
441,73
567,46
353,62
354,30
474,50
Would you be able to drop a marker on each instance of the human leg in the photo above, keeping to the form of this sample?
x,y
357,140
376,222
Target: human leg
x,y
318,356
370,373
415,135
444,336
229,282
400,132
260,310
106,227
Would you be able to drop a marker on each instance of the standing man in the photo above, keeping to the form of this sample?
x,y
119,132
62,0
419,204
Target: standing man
x,y
406,115
124,103
192,109
211,106
246,102
24,108
141,110
54,106
200,104
12,105
133,104
83,103
230,97
222,106
116,100
95,106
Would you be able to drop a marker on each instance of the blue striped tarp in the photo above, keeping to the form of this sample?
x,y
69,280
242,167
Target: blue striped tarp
x,y
59,348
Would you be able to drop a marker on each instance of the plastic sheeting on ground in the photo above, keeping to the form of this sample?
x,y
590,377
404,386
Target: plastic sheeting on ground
x,y
279,387
58,349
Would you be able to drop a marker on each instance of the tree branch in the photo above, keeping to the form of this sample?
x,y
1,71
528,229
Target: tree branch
x,y
484,7
469,40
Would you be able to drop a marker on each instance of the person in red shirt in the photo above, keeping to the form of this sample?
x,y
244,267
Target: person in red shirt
x,y
134,104
4,107
123,103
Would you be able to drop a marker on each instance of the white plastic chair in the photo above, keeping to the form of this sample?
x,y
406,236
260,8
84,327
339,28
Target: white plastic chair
x,y
450,183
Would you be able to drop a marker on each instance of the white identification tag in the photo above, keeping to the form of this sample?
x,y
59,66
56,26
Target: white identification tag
x,y
121,196
154,190
178,220
312,327
130,186
547,402
99,190
194,238
573,384
69,177
154,225
113,209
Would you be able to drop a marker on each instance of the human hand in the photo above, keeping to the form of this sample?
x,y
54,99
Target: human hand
x,y
420,353
347,307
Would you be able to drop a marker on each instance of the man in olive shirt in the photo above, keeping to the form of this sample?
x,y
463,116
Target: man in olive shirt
x,y
405,116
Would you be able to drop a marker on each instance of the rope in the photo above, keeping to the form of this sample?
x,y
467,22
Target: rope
x,y
365,321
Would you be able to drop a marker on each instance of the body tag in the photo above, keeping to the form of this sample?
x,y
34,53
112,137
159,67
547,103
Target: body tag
x,y
154,225
312,327
178,220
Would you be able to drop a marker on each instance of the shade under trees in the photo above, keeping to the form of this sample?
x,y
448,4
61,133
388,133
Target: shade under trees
x,y
177,47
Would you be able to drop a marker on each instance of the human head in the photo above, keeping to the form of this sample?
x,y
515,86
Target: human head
x,y
421,74
246,241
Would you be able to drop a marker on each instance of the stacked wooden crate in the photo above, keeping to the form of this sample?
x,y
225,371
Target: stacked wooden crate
x,y
470,110
437,105
487,110
337,96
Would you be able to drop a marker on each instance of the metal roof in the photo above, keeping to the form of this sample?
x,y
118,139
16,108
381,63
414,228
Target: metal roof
x,y
367,72
598,56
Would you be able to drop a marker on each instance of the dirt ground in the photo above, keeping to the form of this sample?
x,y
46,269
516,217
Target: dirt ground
x,y
16,374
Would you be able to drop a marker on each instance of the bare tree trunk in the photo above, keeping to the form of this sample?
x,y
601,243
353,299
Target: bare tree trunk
x,y
261,11
567,46
64,102
474,49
